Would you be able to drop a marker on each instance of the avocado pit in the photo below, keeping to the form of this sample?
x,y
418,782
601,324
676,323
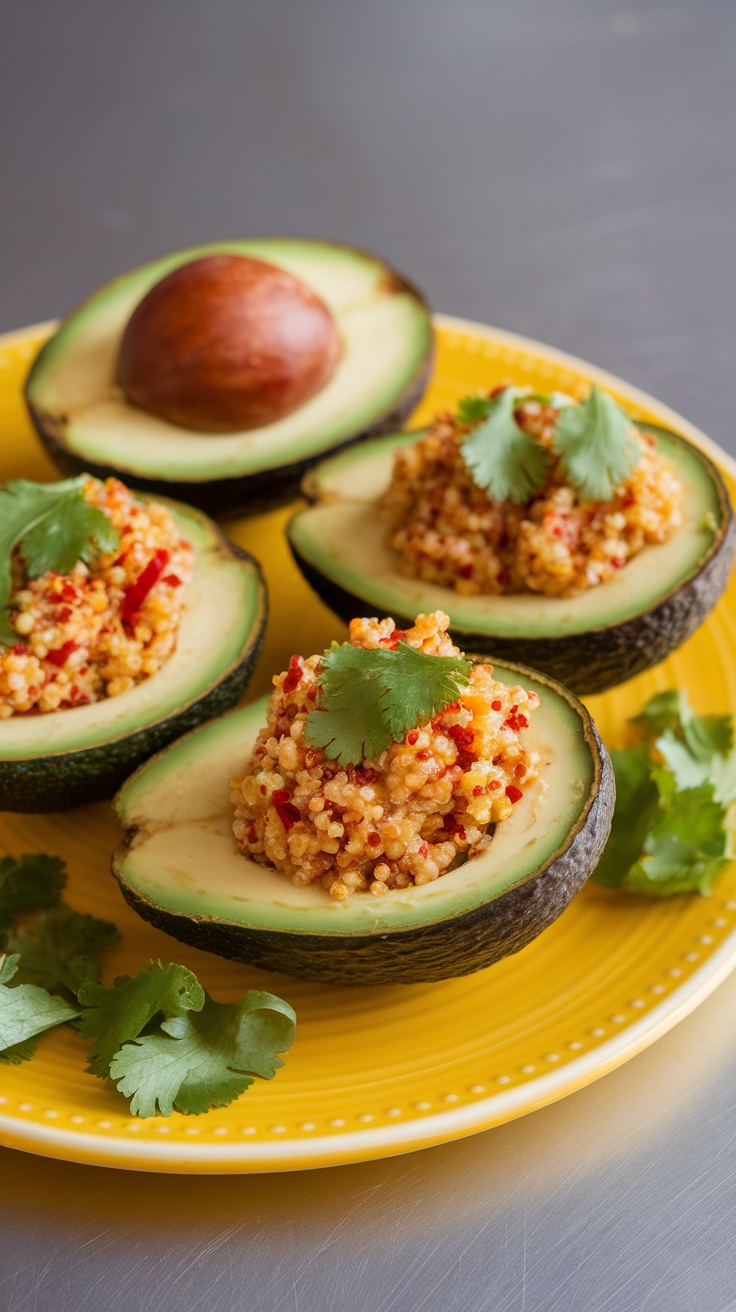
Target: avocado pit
x,y
227,343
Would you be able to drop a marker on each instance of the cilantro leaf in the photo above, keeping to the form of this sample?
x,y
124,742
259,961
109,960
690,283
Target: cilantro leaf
x,y
54,526
371,697
29,882
637,804
595,445
112,1017
473,409
26,1011
205,1058
61,949
685,847
501,457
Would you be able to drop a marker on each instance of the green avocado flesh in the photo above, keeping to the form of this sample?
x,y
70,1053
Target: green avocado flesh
x,y
343,537
84,752
386,338
180,868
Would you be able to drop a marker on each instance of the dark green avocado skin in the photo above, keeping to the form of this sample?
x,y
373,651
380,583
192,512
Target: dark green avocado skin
x,y
585,662
250,494
55,783
459,945
600,658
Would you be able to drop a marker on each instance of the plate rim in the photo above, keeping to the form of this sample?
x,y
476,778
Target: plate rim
x,y
288,1154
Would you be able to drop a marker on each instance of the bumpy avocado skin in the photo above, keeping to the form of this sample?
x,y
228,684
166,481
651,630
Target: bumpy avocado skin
x,y
459,945
251,494
55,783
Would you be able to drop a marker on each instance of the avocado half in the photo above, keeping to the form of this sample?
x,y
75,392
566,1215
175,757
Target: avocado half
x,y
83,753
590,642
85,422
178,865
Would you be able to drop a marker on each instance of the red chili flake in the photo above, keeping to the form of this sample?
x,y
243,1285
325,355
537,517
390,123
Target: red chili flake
x,y
398,635
312,692
68,592
424,755
466,571
452,826
494,784
557,531
514,794
294,674
173,580
33,691
424,850
286,811
121,557
514,709
60,655
465,759
618,562
650,441
520,770
495,706
252,835
64,614
365,775
137,593
413,737
516,722
19,649
374,839
477,791
462,736
263,790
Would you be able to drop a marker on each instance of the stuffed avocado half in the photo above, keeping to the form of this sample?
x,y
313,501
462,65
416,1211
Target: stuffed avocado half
x,y
590,641
86,423
82,753
180,868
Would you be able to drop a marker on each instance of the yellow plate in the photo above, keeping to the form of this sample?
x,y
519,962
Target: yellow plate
x,y
382,1071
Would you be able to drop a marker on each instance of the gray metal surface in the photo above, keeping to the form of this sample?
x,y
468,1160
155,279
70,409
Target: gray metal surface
x,y
564,168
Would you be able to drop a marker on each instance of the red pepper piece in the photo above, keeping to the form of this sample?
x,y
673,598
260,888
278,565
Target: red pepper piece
x,y
136,594
59,656
286,811
293,674
19,649
514,794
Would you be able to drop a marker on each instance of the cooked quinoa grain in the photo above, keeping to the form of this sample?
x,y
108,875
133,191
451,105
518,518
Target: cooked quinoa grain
x,y
404,818
103,628
446,529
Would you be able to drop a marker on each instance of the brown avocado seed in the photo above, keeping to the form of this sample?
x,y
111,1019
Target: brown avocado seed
x,y
227,343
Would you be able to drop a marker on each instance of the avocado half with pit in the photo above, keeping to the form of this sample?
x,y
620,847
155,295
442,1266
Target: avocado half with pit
x,y
86,423
591,641
178,865
81,754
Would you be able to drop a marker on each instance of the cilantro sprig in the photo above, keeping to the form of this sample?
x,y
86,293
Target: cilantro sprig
x,y
159,1036
593,441
671,831
501,457
53,526
372,697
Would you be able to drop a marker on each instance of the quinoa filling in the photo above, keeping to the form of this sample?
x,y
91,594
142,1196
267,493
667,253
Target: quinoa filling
x,y
422,806
446,529
104,627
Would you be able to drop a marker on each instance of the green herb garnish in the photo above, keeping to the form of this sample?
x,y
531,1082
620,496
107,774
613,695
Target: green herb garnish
x,y
27,884
372,697
25,1012
595,445
501,457
161,1039
592,438
670,830
53,526
205,1057
61,949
